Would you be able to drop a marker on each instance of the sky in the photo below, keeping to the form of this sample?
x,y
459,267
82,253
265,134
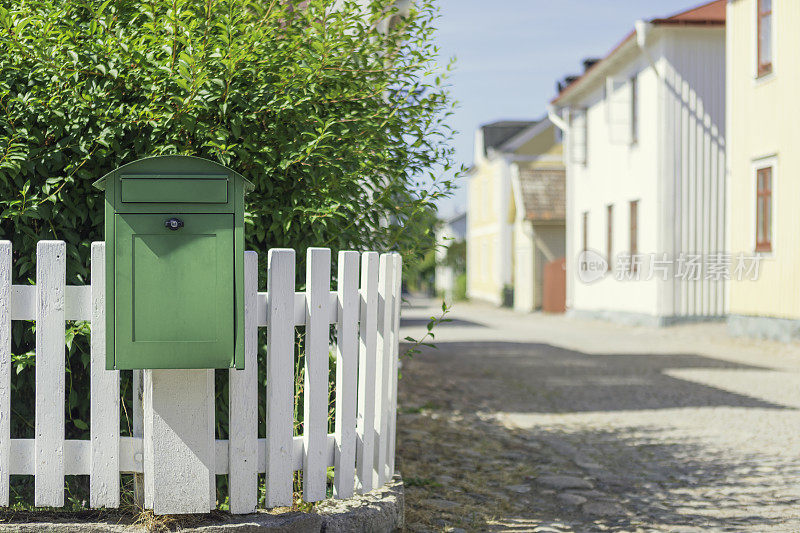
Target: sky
x,y
510,53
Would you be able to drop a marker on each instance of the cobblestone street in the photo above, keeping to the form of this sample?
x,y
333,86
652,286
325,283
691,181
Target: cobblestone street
x,y
547,423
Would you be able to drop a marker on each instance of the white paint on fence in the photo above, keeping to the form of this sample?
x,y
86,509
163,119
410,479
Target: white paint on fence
x,y
280,376
367,352
243,404
137,430
383,366
398,297
104,396
315,389
77,306
346,375
176,447
51,276
5,370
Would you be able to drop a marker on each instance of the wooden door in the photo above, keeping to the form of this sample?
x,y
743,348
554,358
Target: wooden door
x,y
554,293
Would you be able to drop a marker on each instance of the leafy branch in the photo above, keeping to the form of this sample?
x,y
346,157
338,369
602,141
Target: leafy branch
x,y
434,321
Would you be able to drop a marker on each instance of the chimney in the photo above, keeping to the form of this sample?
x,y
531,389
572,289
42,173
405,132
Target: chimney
x,y
589,62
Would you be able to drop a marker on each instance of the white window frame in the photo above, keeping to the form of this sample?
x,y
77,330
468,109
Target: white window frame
x,y
579,113
619,110
755,165
754,39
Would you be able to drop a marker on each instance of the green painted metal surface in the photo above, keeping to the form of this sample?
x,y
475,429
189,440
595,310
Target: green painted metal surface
x,y
175,263
192,190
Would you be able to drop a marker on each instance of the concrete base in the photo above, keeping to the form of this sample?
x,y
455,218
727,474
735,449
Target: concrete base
x,y
179,441
378,511
764,327
640,319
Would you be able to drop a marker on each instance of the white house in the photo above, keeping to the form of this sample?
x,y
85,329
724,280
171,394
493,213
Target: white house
x,y
645,164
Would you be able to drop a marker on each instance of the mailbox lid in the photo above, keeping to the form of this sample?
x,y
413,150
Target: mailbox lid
x,y
174,189
174,291
174,193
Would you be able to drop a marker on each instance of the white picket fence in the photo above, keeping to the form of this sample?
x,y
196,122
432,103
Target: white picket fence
x,y
365,308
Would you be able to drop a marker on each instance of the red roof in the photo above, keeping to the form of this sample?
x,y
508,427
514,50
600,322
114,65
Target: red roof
x,y
710,14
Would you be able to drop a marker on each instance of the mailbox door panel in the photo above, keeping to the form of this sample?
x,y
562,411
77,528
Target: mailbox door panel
x,y
174,302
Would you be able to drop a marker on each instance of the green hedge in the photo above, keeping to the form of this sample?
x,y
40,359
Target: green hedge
x,y
335,122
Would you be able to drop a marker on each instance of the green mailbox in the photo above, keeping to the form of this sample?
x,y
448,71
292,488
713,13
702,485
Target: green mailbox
x,y
174,264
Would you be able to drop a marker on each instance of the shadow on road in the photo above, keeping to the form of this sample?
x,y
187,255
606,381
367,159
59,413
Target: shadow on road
x,y
539,378
416,322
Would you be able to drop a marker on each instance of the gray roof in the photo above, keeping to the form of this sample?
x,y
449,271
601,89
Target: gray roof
x,y
544,194
495,134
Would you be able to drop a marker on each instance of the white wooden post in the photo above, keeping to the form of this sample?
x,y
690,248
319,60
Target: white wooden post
x,y
5,370
50,378
383,365
315,390
398,296
346,373
104,397
243,404
280,376
179,447
367,333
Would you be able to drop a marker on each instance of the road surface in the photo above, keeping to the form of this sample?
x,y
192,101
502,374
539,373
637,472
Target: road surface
x,y
547,423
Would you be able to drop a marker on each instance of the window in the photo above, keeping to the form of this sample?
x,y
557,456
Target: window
x,y
620,109
609,233
764,51
764,209
634,113
585,230
577,136
634,233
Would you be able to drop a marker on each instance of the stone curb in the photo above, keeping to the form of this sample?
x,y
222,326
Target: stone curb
x,y
378,511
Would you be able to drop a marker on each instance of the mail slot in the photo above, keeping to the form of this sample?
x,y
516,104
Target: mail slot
x,y
174,264
175,189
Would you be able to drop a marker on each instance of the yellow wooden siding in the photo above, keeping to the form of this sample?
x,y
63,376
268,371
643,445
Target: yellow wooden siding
x,y
488,220
483,231
763,122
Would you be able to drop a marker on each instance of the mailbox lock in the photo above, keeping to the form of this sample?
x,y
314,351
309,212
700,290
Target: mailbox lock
x,y
173,223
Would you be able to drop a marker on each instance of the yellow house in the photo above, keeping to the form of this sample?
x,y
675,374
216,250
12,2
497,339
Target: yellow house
x,y
763,135
507,241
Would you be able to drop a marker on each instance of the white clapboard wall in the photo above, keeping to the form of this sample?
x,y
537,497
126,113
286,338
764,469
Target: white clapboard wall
x,y
364,308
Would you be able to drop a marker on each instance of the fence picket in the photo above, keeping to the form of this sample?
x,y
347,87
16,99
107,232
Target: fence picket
x,y
315,390
367,333
138,431
398,296
243,404
280,376
50,368
383,364
346,374
104,396
5,370
211,442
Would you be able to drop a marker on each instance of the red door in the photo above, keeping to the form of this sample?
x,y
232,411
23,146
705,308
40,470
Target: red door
x,y
554,282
